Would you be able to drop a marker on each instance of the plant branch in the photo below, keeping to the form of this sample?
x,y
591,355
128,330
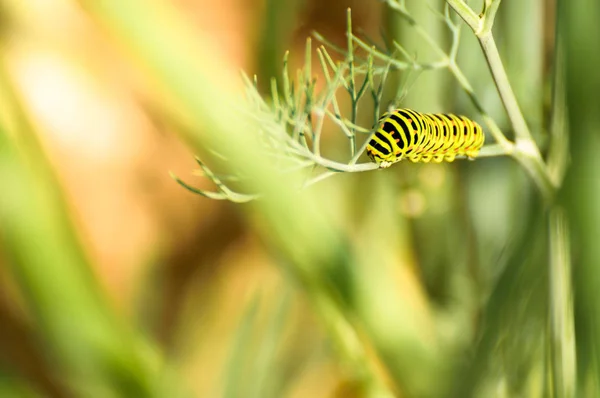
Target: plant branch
x,y
525,151
507,95
466,13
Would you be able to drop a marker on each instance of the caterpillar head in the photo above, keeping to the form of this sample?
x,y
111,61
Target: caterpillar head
x,y
382,160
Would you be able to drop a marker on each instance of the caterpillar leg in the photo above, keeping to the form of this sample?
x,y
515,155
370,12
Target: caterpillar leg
x,y
472,154
450,157
438,158
426,158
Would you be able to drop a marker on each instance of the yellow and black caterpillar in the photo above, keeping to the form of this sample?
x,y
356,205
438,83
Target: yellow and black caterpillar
x,y
423,137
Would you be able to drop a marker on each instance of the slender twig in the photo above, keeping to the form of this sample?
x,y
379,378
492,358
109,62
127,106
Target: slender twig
x,y
319,178
492,150
503,85
224,192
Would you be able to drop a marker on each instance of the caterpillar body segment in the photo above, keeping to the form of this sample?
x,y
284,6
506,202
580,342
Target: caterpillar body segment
x,y
423,137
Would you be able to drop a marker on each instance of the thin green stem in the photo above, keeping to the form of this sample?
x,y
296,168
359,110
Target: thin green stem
x,y
350,53
319,178
466,13
352,83
493,150
286,80
489,16
558,152
562,330
507,95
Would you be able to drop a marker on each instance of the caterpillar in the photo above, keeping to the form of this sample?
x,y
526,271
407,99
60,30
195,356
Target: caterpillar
x,y
423,137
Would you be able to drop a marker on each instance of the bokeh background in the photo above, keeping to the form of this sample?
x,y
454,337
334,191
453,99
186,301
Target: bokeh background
x,y
117,282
